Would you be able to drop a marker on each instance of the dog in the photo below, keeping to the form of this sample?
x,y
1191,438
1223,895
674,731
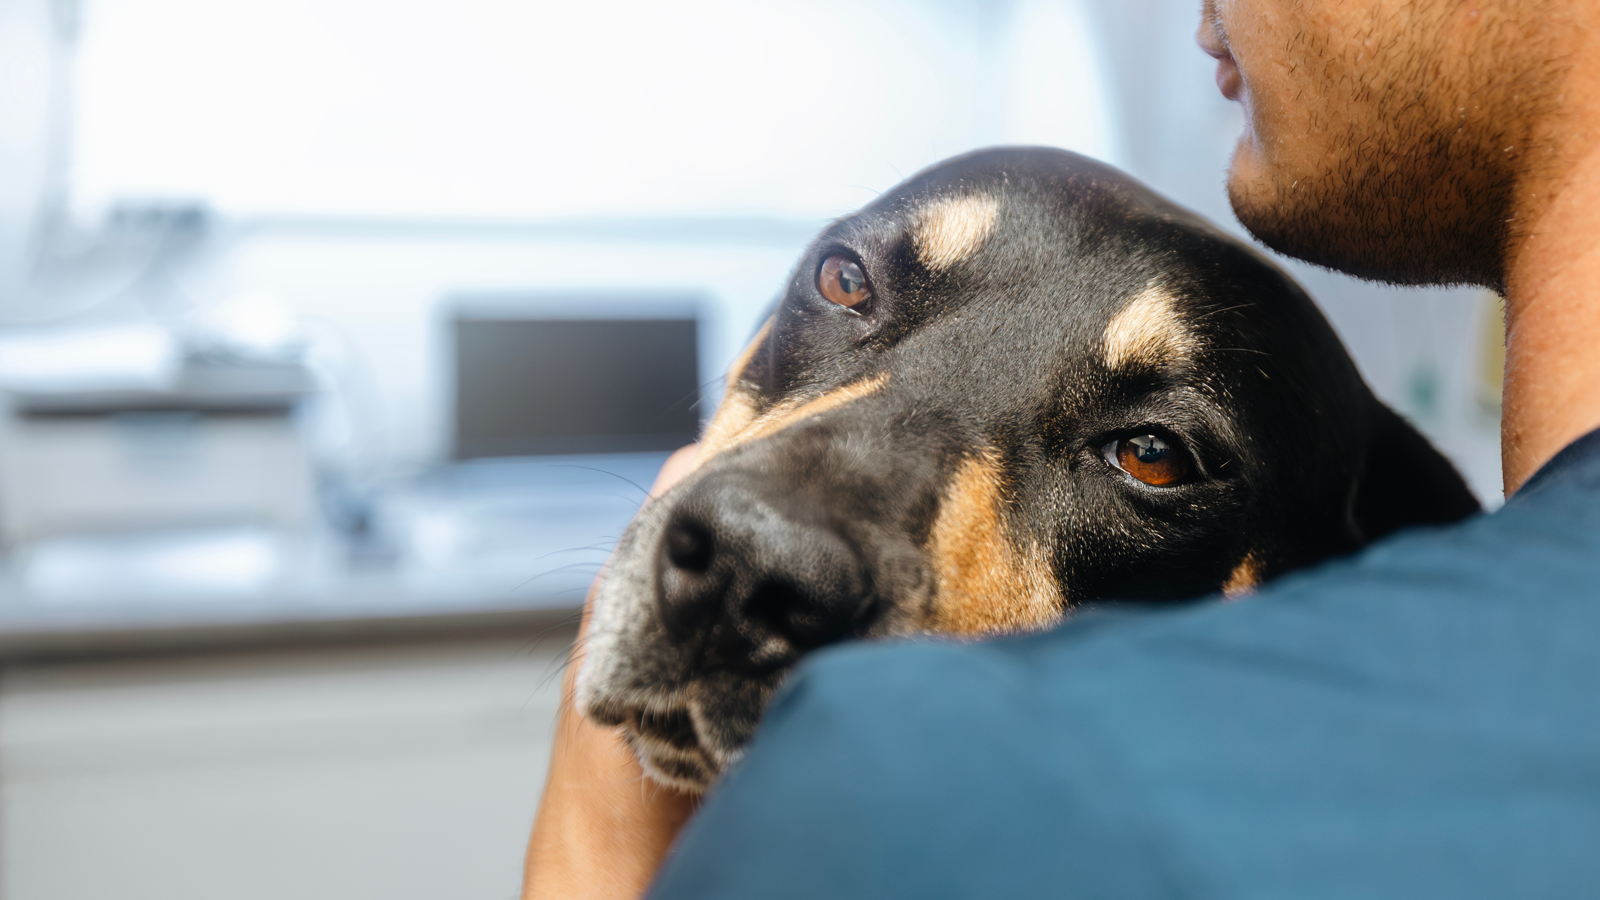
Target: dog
x,y
1018,383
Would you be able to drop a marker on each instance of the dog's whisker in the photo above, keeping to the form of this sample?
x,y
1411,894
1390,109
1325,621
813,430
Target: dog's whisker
x,y
532,643
876,192
607,548
1217,312
698,393
557,570
630,481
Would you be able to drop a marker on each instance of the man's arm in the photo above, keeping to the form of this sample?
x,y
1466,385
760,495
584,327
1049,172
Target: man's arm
x,y
602,827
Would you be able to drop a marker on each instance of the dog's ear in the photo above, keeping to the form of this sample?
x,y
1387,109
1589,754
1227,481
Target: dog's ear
x,y
1407,482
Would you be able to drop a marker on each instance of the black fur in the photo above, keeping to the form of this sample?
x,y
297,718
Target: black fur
x,y
819,532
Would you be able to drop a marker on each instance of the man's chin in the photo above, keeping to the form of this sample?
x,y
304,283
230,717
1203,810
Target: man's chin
x,y
1307,220
1289,221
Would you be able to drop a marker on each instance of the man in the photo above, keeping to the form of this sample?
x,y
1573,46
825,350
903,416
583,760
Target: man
x,y
1421,720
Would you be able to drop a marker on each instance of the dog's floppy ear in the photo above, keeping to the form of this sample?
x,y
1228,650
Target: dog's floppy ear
x,y
1407,482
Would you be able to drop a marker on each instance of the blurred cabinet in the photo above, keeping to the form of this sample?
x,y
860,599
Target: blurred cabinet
x,y
66,474
208,444
378,771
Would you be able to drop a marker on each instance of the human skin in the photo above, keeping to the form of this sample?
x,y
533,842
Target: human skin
x,y
1411,141
1436,142
602,828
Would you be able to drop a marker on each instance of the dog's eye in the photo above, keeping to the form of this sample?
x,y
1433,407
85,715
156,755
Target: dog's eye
x,y
1150,458
842,281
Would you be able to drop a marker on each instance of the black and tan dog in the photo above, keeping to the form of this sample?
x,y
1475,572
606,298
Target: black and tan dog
x,y
1017,383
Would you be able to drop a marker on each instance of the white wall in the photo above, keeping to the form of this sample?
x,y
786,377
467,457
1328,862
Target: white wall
x,y
27,70
489,108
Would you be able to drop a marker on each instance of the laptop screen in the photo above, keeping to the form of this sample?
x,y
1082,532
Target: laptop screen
x,y
528,386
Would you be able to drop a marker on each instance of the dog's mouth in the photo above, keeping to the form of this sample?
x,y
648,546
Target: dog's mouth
x,y
668,748
688,737
713,597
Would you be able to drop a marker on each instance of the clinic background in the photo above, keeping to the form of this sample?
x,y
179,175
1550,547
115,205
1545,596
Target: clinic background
x,y
270,608
354,163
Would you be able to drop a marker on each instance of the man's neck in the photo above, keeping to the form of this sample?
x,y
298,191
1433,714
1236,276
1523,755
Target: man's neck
x,y
1552,384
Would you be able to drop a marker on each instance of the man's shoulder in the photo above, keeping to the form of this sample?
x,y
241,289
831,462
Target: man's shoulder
x,y
1516,590
1394,708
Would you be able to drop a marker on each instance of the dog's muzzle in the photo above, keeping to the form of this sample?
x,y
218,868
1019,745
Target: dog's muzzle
x,y
749,583
715,592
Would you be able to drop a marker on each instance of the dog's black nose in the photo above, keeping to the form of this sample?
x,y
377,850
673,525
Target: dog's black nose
x,y
756,583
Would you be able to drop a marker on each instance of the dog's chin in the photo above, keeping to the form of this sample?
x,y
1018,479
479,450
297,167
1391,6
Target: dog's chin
x,y
672,753
684,770
687,737
691,771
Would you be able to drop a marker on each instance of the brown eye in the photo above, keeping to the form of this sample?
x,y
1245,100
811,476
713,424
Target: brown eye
x,y
1149,458
843,282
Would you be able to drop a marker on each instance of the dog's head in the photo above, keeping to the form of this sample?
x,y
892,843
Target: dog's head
x,y
1016,383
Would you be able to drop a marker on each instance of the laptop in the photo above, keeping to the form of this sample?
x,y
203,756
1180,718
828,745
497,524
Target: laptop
x,y
560,386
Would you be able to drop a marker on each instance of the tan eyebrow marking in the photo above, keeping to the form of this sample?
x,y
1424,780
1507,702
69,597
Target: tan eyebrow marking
x,y
738,420
1148,333
1244,578
792,411
984,582
739,401
950,229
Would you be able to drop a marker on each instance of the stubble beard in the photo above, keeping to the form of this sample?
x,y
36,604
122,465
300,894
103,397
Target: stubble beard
x,y
1419,184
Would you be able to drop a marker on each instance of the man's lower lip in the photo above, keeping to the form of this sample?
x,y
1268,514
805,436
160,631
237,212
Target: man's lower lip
x,y
1228,79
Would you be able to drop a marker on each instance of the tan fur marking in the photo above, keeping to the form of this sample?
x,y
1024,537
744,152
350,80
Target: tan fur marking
x,y
1244,578
1148,333
738,408
951,229
786,414
985,583
789,412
